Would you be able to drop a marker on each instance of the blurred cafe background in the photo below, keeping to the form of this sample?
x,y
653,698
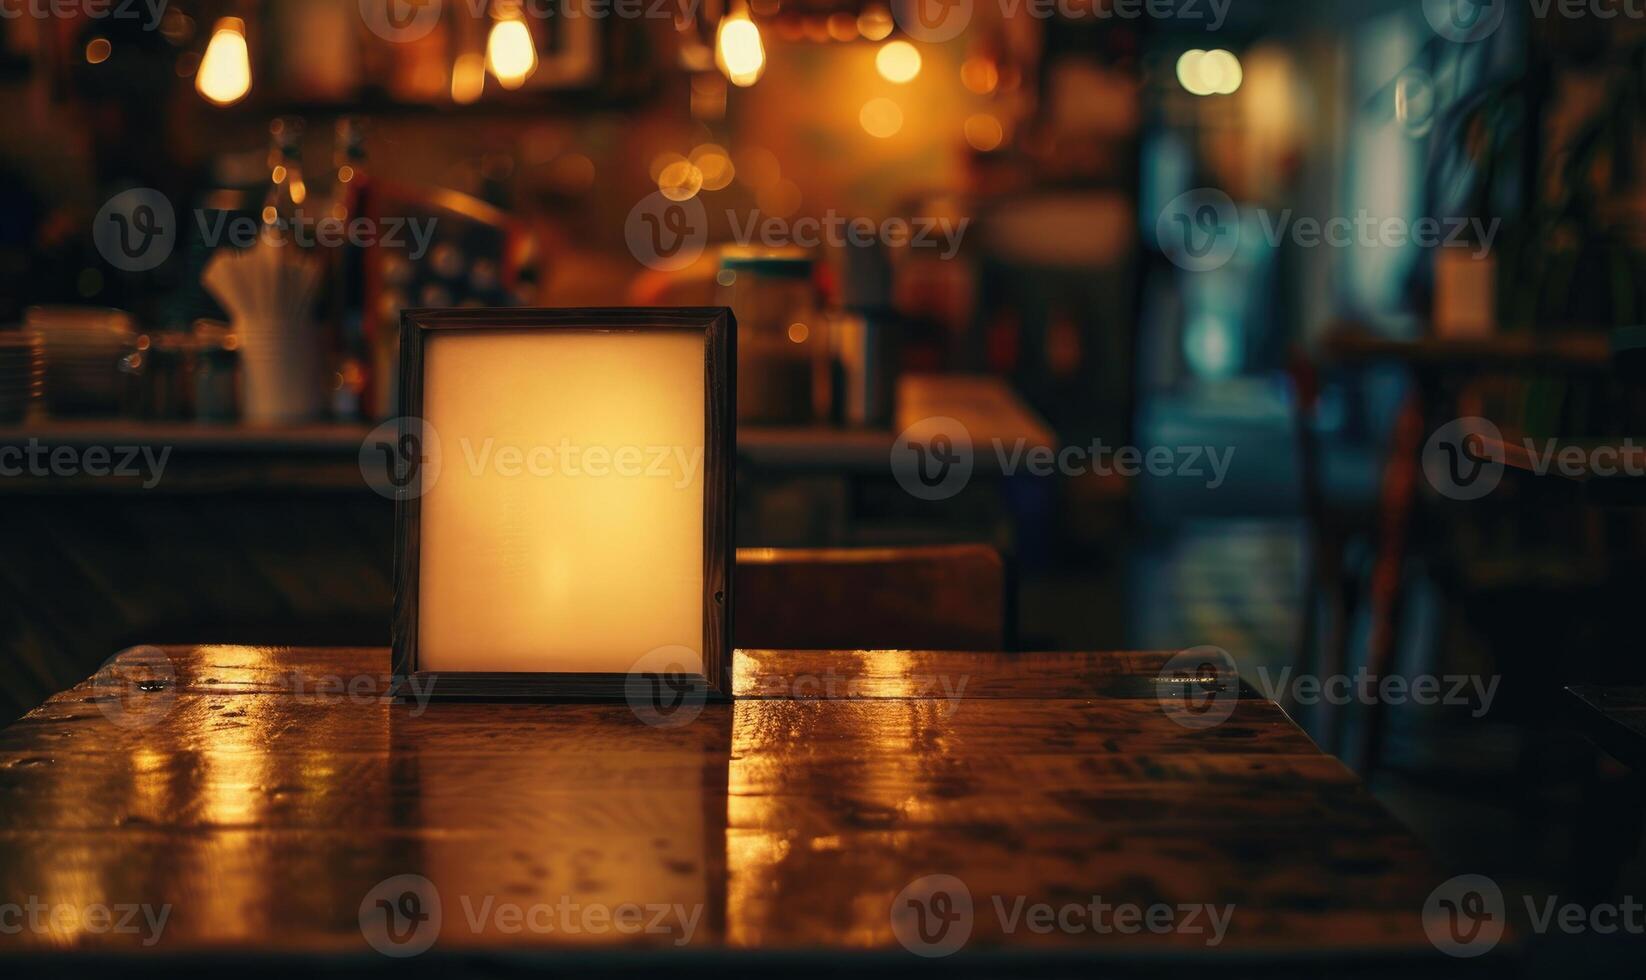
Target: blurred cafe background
x,y
1200,282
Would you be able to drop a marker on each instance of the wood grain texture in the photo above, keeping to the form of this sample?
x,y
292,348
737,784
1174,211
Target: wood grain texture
x,y
263,792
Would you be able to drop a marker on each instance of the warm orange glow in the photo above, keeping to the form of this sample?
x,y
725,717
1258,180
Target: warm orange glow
x,y
897,61
98,50
542,536
680,181
760,167
738,51
881,117
714,165
510,53
799,332
875,23
780,200
843,27
224,77
468,78
984,132
662,162
979,75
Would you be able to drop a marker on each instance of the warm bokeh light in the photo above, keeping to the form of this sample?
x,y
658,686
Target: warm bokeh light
x,y
98,50
1220,71
510,53
984,132
799,332
1215,72
897,61
468,78
680,181
224,77
875,23
715,166
662,162
979,75
738,51
843,27
1188,71
881,117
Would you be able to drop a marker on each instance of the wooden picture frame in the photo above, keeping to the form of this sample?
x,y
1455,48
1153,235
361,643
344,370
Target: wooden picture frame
x,y
420,328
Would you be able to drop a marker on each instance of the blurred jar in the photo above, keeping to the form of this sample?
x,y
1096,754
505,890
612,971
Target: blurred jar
x,y
782,341
862,337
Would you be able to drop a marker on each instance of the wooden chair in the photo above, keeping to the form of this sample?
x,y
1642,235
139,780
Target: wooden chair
x,y
955,597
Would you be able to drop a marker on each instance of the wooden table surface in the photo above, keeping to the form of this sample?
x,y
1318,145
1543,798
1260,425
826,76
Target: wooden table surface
x,y
263,793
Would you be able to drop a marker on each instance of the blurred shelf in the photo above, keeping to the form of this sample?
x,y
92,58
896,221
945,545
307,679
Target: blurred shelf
x,y
205,457
319,437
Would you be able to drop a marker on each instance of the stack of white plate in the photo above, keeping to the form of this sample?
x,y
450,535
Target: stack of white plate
x,y
22,371
83,349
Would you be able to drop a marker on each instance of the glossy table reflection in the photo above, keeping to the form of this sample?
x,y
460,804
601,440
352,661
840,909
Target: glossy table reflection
x,y
263,793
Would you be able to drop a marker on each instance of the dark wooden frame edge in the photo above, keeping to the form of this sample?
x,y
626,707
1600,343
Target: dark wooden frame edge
x,y
719,487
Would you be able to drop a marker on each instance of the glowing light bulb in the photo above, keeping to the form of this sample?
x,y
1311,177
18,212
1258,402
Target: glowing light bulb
x,y
510,53
224,77
738,51
897,61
